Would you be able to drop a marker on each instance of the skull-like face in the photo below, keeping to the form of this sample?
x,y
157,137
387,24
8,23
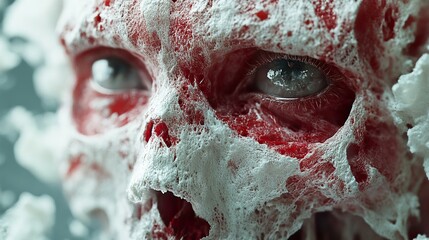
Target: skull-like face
x,y
241,119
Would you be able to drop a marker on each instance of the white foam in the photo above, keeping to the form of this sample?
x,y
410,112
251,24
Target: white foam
x,y
421,237
30,218
38,142
411,107
42,49
9,59
78,229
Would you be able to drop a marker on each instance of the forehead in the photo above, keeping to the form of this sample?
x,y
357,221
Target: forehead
x,y
219,23
351,34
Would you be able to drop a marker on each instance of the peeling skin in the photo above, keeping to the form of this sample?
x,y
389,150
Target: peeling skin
x,y
249,164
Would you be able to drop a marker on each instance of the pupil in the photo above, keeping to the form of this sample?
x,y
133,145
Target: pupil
x,y
115,74
292,75
290,79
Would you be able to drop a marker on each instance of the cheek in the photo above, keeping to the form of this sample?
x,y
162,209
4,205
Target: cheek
x,y
95,112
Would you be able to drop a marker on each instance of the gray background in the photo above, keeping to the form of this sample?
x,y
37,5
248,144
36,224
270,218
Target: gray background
x,y
16,88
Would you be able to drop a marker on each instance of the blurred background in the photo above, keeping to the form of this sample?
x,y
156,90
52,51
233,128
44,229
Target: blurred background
x,y
16,89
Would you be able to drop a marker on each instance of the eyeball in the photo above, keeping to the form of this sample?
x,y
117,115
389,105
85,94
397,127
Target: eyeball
x,y
289,79
116,74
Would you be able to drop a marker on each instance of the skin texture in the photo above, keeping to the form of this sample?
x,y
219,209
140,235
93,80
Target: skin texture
x,y
247,164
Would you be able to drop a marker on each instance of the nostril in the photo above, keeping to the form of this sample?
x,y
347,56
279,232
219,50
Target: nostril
x,y
178,215
160,129
148,131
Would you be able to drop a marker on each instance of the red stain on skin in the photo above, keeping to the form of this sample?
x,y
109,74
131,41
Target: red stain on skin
x,y
390,18
160,233
373,147
325,11
74,164
309,24
97,22
136,28
409,22
262,15
107,3
421,33
148,131
188,101
161,130
367,32
375,23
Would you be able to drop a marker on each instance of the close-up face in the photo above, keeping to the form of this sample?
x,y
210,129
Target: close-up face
x,y
242,119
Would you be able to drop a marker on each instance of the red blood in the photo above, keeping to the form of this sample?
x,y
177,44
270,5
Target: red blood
x,y
136,28
325,11
289,33
187,102
97,20
376,146
181,34
262,15
74,164
178,215
159,233
410,21
309,23
390,18
148,131
161,130
416,48
374,23
107,3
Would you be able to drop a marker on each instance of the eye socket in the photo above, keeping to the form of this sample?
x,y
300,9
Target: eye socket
x,y
116,74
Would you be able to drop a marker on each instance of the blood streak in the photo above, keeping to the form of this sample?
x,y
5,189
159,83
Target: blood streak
x,y
390,18
421,32
373,24
375,149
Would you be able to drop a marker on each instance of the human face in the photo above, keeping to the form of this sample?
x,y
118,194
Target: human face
x,y
188,123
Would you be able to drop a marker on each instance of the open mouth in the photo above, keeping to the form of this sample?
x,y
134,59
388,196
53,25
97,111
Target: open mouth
x,y
335,225
179,217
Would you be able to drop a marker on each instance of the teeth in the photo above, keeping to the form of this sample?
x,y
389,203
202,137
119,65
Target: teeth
x,y
178,215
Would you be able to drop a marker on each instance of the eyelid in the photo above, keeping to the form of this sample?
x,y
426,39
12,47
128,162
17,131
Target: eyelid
x,y
83,61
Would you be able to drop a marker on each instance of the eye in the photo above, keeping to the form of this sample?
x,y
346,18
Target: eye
x,y
289,78
116,74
